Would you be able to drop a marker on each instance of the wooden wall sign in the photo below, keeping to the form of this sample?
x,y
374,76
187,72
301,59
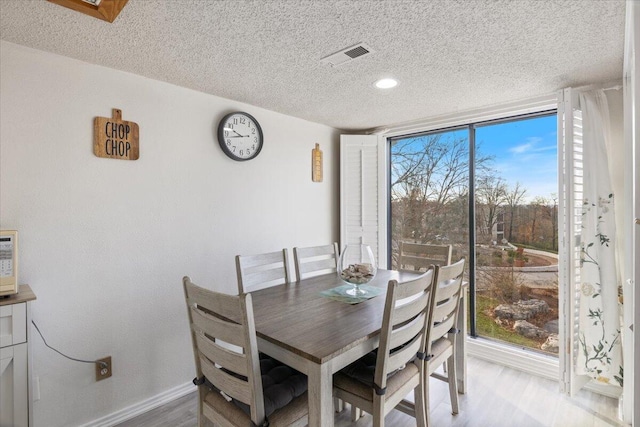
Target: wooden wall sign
x,y
316,162
115,138
107,10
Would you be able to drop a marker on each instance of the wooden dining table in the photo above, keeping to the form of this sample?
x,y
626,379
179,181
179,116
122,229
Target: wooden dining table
x,y
318,336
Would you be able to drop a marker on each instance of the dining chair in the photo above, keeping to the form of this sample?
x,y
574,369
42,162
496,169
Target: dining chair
x,y
418,256
441,345
379,381
315,260
238,388
262,271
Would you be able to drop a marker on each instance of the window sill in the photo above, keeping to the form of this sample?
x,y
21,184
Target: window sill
x,y
514,357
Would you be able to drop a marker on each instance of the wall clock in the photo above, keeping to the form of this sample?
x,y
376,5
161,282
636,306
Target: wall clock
x,y
240,136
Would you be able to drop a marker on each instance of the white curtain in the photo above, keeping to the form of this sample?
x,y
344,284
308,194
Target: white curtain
x,y
599,353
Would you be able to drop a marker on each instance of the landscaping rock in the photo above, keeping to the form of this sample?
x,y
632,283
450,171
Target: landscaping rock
x,y
529,330
551,326
522,310
551,344
509,311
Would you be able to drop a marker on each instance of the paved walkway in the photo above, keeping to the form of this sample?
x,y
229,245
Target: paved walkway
x,y
541,277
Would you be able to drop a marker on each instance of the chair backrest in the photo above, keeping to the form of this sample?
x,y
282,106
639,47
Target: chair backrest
x,y
217,319
417,256
404,324
315,260
446,301
262,271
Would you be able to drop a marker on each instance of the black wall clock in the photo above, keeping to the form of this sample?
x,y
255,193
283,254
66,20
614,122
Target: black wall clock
x,y
240,136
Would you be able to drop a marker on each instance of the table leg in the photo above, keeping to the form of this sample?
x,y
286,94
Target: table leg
x,y
461,341
320,395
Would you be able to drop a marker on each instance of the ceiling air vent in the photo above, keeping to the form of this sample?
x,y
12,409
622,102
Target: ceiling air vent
x,y
346,55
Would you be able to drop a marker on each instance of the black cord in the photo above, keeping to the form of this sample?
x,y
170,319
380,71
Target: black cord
x,y
102,364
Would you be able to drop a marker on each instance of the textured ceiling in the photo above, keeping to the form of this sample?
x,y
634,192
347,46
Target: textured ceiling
x,y
448,55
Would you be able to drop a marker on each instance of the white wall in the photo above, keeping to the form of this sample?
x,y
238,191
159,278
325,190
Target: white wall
x,y
104,243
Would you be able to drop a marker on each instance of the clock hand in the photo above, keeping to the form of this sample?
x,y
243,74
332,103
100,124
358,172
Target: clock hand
x,y
238,135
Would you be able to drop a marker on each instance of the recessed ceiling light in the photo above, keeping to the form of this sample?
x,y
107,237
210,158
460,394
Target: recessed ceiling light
x,y
386,83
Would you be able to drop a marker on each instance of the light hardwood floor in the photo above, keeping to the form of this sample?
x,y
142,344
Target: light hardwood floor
x,y
497,396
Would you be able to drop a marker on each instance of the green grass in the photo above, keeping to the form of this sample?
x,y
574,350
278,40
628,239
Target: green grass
x,y
485,326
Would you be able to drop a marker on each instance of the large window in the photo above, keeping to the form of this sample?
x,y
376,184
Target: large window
x,y
489,186
430,190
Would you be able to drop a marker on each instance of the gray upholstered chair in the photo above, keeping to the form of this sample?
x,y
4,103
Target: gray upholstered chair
x,y
441,346
419,257
238,388
262,271
315,260
379,382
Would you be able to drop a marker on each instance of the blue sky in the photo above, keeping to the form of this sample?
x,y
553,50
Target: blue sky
x,y
525,151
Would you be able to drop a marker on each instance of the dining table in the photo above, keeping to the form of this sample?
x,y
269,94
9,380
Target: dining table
x,y
318,336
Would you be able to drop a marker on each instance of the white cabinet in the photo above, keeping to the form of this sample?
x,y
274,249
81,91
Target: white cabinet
x,y
14,410
15,402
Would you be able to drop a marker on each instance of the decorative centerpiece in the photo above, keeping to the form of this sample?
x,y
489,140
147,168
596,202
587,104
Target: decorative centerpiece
x,y
357,266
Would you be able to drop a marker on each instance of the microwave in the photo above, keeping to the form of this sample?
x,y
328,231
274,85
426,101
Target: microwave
x,y
8,262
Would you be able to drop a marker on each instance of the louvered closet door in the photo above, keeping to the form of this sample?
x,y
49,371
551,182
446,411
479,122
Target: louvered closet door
x,y
570,160
363,213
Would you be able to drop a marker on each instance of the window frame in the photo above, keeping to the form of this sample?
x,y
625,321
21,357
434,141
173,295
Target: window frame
x,y
530,361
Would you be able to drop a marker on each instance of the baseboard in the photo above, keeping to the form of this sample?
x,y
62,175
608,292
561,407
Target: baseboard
x,y
142,407
529,362
604,389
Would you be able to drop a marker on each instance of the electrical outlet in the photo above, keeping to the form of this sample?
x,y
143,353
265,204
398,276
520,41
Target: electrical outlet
x,y
103,371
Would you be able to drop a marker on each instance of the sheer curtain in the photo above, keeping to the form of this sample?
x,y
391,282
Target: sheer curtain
x,y
599,352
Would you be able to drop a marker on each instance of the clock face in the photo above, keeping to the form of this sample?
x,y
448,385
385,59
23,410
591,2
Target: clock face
x,y
240,136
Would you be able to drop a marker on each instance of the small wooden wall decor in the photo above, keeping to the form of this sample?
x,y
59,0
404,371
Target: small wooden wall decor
x,y
107,10
115,138
316,162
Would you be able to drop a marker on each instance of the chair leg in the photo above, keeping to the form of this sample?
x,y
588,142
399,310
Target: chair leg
x,y
425,396
355,413
201,396
453,383
378,412
421,420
